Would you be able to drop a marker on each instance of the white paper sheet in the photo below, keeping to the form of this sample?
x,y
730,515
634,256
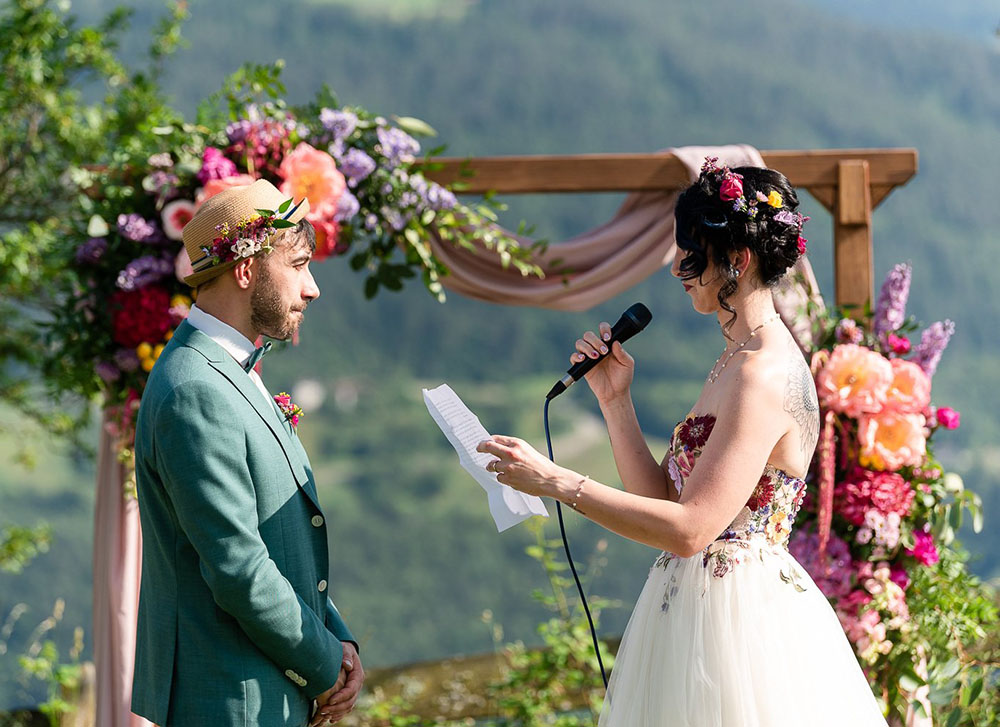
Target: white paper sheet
x,y
464,430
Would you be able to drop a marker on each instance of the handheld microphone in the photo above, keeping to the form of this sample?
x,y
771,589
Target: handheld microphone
x,y
632,321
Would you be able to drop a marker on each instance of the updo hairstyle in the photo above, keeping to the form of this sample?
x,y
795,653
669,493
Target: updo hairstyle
x,y
709,225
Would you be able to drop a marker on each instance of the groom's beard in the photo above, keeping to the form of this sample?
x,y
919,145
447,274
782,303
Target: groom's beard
x,y
268,313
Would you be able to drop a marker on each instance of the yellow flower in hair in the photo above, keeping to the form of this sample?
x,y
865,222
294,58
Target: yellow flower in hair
x,y
774,199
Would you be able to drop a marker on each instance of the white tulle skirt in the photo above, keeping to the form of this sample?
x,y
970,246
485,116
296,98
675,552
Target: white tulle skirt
x,y
746,641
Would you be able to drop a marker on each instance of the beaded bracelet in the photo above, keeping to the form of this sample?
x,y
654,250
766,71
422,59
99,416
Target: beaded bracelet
x,y
579,491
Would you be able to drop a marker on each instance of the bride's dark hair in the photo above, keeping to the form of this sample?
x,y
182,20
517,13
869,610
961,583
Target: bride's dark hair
x,y
707,225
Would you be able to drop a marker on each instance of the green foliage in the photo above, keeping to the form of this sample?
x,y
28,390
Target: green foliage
x,y
42,662
548,686
18,545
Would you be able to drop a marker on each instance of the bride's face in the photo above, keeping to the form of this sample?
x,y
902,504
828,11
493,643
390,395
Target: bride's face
x,y
704,290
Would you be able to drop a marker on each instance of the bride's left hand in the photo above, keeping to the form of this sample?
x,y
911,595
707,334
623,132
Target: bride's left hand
x,y
523,467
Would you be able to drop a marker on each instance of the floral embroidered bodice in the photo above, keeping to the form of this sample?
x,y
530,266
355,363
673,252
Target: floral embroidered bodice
x,y
765,522
771,508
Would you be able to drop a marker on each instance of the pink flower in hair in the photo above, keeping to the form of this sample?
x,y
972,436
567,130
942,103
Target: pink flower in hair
x,y
731,187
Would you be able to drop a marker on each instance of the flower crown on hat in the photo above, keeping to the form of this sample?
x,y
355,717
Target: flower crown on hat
x,y
247,237
730,186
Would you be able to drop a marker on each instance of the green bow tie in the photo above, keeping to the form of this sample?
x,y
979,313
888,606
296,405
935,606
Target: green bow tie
x,y
256,356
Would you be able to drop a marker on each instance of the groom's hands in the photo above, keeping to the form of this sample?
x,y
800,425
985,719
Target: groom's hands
x,y
336,702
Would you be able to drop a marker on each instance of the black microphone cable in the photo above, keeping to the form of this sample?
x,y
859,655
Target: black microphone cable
x,y
569,556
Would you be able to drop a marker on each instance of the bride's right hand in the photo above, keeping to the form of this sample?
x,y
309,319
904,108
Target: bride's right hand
x,y
612,377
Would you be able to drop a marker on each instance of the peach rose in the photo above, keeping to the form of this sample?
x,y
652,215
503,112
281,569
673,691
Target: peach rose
x,y
214,186
910,391
312,173
854,381
891,440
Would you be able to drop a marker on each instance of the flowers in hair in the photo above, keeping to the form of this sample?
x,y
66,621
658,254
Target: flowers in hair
x,y
247,237
731,190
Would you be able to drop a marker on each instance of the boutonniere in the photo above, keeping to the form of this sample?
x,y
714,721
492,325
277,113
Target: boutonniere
x,y
291,411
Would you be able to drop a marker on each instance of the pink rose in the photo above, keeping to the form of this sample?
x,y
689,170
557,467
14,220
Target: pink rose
x,y
898,344
898,576
923,549
891,440
949,418
855,380
731,187
214,186
802,245
312,173
175,215
910,391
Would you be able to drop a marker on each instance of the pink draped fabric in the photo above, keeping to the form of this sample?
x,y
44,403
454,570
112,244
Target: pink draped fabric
x,y
117,564
638,241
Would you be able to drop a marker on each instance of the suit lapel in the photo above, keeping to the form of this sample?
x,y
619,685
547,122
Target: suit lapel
x,y
232,372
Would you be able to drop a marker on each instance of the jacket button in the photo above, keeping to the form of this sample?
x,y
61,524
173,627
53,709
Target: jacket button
x,y
322,586
292,675
317,520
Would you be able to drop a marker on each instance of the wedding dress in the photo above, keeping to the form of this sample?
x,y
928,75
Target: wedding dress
x,y
737,635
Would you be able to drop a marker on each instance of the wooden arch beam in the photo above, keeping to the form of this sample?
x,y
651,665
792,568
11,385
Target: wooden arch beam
x,y
850,183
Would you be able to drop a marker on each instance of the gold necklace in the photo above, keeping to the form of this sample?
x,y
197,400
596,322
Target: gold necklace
x,y
713,375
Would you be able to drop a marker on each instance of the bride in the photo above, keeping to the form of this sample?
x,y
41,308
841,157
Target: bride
x,y
729,631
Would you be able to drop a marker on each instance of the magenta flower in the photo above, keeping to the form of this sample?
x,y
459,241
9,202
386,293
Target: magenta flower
x,y
898,344
848,331
215,165
949,418
923,549
731,187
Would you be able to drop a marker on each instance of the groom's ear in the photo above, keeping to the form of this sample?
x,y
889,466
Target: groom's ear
x,y
245,271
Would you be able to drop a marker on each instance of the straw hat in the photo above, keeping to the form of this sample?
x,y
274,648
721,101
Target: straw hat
x,y
229,206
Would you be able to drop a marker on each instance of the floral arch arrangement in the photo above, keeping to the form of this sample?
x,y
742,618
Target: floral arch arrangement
x,y
123,294
877,533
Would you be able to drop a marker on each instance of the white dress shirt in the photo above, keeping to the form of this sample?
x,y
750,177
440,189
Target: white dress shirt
x,y
235,343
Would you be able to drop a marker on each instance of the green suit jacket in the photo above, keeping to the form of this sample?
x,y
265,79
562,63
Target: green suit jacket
x,y
236,626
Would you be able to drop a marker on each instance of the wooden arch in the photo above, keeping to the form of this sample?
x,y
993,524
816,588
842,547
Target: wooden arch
x,y
850,183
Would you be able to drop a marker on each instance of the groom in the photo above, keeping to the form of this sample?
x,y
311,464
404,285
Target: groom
x,y
236,624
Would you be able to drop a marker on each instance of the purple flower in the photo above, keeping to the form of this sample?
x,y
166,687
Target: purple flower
x,y
395,218
237,131
108,372
833,573
786,217
161,183
890,311
144,270
371,221
933,342
92,250
347,207
408,199
214,165
134,227
339,123
356,165
396,145
440,198
126,359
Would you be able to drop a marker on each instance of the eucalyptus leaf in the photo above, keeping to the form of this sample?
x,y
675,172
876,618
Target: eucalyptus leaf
x,y
414,126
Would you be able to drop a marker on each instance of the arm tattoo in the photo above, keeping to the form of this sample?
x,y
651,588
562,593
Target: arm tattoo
x,y
801,401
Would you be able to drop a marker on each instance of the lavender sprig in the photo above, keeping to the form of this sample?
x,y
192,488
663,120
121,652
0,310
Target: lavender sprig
x,y
890,310
933,342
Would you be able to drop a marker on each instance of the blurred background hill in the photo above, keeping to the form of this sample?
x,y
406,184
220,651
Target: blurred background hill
x,y
418,558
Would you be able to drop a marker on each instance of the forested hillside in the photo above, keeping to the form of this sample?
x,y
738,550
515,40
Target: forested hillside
x,y
417,557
